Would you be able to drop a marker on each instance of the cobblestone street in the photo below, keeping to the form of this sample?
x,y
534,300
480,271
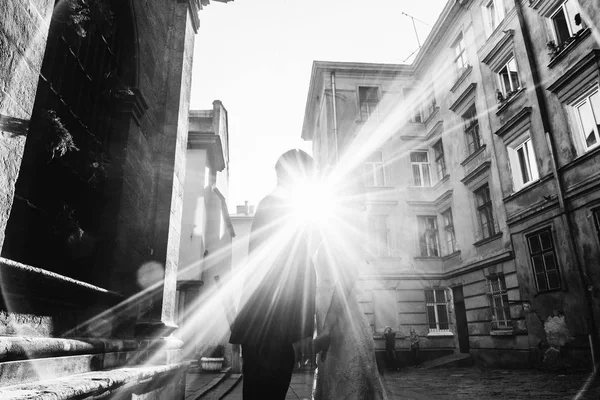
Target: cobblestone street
x,y
466,383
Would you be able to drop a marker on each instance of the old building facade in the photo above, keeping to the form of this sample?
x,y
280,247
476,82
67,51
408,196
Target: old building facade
x,y
205,250
94,103
480,185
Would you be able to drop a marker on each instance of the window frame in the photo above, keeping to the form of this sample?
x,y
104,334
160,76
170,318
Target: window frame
x,y
516,164
436,312
507,92
459,43
440,160
372,110
449,232
586,99
380,251
472,132
420,165
501,318
543,252
498,14
426,248
485,208
372,167
569,22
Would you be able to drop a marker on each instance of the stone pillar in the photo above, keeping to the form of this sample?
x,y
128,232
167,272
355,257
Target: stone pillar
x,y
24,26
158,316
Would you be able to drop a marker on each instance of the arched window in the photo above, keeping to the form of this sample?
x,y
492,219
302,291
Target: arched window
x,y
63,191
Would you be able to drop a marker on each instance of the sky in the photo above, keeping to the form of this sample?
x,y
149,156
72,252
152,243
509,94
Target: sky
x,y
256,57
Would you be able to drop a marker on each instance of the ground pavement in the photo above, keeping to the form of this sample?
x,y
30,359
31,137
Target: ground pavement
x,y
465,383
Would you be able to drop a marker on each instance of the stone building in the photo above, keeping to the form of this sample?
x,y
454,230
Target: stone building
x,y
94,123
205,250
480,189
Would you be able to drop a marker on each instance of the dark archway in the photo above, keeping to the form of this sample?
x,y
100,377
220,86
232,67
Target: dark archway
x,y
64,203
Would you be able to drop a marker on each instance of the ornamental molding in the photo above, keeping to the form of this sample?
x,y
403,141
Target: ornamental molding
x,y
515,126
577,79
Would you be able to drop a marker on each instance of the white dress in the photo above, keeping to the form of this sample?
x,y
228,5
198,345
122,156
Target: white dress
x,y
349,370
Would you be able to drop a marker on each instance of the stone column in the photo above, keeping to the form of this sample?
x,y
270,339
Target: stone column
x,y
157,319
24,26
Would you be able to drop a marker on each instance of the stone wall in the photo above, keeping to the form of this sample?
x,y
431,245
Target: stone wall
x,y
23,33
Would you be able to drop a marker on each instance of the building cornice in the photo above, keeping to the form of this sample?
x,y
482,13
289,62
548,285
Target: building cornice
x,y
464,96
211,143
580,75
516,125
476,172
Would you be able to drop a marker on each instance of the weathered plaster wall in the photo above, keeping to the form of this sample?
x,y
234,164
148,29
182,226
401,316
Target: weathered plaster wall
x,y
23,32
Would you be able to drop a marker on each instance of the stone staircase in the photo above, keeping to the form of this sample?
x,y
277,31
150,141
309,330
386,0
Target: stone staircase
x,y
210,386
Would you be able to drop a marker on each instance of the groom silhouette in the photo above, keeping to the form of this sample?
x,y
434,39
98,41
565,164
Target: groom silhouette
x,y
278,299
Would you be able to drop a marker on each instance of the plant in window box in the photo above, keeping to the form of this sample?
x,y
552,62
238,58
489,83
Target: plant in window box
x,y
59,139
214,363
88,15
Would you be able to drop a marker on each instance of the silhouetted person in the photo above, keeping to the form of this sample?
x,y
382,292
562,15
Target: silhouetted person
x,y
278,299
390,348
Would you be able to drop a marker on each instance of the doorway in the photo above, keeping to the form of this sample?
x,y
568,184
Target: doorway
x,y
460,312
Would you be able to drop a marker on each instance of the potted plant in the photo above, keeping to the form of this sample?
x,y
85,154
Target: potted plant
x,y
214,363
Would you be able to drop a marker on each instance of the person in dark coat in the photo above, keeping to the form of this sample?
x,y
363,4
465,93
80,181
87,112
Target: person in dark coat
x,y
278,300
390,348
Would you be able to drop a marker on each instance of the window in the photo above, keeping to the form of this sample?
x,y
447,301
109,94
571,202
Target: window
x,y
416,116
385,309
437,310
472,130
428,236
460,56
374,174
430,103
499,303
596,213
419,161
378,235
543,260
449,231
368,98
508,79
440,161
493,14
587,114
523,165
566,22
485,212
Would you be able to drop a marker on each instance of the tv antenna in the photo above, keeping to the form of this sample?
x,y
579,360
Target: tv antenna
x,y
416,33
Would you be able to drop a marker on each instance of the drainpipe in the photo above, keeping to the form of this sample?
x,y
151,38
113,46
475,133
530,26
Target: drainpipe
x,y
541,100
335,126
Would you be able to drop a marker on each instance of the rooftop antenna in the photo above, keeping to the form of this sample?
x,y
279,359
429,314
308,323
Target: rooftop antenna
x,y
414,26
416,33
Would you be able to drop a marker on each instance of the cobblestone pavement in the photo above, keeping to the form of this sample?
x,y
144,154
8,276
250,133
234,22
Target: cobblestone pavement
x,y
466,383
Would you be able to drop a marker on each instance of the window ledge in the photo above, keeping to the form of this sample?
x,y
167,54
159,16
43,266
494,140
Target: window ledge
x,y
431,115
578,38
461,78
487,240
502,332
426,258
504,105
527,188
440,334
441,181
473,155
451,255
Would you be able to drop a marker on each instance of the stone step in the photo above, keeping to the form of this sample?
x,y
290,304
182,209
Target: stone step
x,y
451,361
223,388
199,384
